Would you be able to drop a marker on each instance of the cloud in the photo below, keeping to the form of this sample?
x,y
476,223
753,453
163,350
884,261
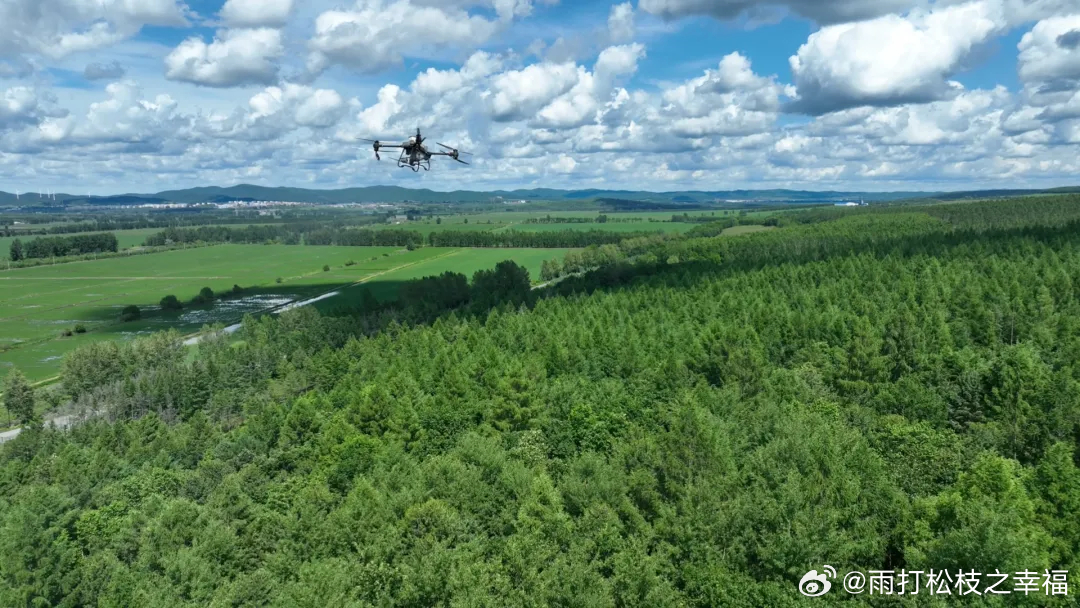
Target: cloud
x,y
375,36
621,23
128,119
730,100
23,106
891,60
102,71
821,11
275,112
17,68
1069,40
57,28
234,58
1050,52
256,13
1049,67
521,93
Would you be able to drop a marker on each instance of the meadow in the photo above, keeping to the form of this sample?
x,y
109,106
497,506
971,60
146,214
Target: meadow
x,y
38,304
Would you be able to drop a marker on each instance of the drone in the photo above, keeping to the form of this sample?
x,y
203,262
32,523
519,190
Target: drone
x,y
413,153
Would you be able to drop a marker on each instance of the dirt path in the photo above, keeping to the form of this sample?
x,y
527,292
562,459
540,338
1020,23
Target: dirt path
x,y
61,422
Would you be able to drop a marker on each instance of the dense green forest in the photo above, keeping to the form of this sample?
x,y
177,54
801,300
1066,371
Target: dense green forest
x,y
328,234
684,421
517,238
59,246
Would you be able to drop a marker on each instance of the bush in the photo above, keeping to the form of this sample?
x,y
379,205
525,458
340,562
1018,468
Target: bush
x,y
410,247
236,289
326,268
66,333
350,263
80,329
277,280
170,302
130,313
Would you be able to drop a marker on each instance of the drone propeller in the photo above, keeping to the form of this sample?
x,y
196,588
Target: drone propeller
x,y
375,145
454,152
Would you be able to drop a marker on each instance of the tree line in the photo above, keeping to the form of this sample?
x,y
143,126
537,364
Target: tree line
x,y
321,234
45,247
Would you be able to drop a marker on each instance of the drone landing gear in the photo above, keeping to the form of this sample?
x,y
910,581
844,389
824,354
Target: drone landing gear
x,y
403,162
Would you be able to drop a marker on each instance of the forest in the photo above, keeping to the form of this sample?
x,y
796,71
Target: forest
x,y
679,421
316,233
517,238
59,246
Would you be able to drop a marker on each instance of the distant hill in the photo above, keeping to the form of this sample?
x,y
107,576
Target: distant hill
x,y
397,194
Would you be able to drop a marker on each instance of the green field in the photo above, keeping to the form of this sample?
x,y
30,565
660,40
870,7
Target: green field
x,y
37,304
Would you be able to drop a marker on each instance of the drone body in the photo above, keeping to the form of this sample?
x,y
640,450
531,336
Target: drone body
x,y
414,154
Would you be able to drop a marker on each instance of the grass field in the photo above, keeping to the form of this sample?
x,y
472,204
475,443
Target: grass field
x,y
37,304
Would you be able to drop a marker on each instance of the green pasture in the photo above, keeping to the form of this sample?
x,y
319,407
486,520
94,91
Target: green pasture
x,y
38,304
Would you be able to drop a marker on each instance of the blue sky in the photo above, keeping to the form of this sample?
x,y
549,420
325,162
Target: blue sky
x,y
143,95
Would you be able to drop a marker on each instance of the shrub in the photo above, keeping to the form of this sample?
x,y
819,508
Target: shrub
x,y
66,333
206,296
236,289
326,268
277,280
350,263
130,313
170,302
80,329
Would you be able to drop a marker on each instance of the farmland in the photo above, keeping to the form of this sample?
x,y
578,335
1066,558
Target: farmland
x,y
37,304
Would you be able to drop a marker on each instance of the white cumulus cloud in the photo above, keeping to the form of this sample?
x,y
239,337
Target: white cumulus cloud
x,y
235,57
256,13
892,59
375,35
57,28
